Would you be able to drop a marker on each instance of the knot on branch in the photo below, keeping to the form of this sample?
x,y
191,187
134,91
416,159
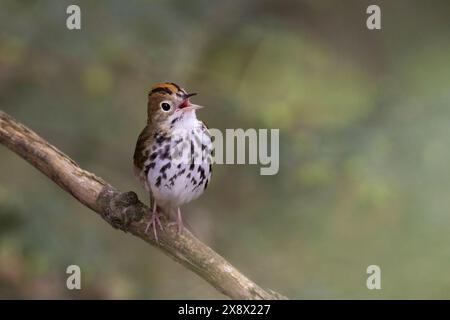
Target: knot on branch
x,y
120,209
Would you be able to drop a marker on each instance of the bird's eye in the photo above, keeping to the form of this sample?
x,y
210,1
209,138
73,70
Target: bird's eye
x,y
166,106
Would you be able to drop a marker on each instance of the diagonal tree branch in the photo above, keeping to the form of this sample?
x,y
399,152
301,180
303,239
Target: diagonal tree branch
x,y
124,211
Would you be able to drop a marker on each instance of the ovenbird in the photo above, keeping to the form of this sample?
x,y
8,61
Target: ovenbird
x,y
172,158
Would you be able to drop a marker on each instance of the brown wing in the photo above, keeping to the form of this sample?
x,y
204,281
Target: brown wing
x,y
140,155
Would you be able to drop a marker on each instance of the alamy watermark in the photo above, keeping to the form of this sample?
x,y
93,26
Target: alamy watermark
x,y
73,21
374,279
373,21
73,281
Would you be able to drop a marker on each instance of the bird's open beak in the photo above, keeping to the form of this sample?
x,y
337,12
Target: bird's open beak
x,y
190,95
187,105
195,106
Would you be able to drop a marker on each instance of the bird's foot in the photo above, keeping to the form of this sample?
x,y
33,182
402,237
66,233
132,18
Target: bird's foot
x,y
180,228
178,223
154,221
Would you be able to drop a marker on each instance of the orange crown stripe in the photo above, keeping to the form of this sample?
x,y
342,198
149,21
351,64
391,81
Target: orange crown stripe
x,y
172,87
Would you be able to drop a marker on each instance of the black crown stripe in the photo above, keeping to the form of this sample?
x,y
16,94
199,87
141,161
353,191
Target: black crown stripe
x,y
160,89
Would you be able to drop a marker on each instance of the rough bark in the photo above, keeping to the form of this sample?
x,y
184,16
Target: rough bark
x,y
124,211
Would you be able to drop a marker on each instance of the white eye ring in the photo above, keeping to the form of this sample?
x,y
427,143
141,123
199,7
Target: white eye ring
x,y
166,105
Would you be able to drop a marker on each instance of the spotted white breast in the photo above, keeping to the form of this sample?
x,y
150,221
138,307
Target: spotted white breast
x,y
179,163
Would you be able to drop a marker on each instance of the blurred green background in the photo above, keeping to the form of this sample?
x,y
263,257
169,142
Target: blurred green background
x,y
364,123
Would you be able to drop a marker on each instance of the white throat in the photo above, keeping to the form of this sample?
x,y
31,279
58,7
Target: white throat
x,y
183,120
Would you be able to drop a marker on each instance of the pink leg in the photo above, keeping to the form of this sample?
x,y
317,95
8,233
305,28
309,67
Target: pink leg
x,y
154,220
179,223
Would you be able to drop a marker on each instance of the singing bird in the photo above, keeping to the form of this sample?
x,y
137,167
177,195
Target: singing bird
x,y
172,158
